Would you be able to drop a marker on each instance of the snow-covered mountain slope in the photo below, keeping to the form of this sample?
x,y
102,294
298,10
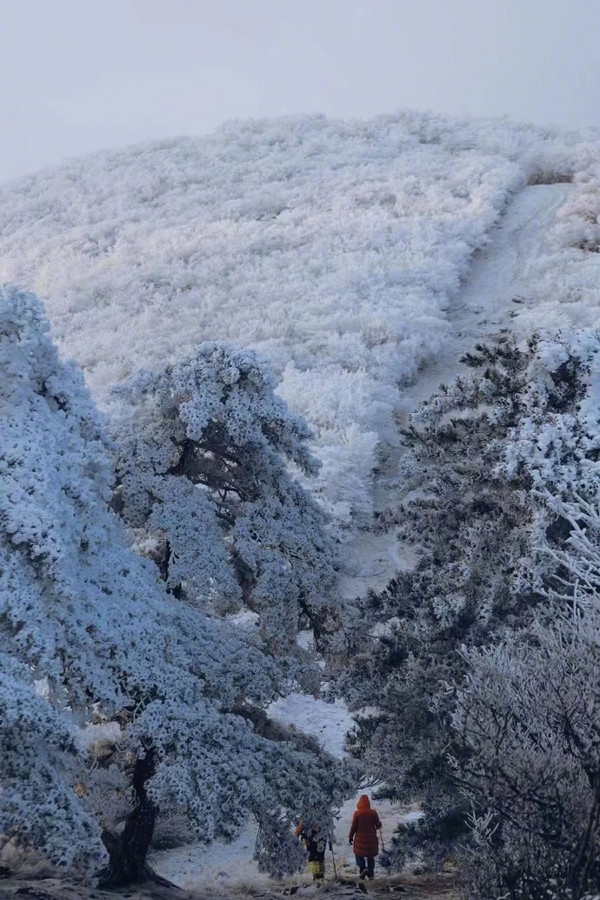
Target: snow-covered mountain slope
x,y
338,250
499,295
360,258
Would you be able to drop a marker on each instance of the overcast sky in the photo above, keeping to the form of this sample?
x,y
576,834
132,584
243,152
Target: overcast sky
x,y
80,75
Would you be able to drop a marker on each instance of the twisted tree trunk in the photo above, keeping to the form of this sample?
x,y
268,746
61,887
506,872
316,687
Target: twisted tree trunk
x,y
128,850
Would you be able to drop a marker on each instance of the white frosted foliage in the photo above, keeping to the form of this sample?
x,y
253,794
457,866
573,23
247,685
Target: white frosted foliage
x,y
206,462
329,247
86,617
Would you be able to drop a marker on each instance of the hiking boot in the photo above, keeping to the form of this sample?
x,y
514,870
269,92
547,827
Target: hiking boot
x,y
363,874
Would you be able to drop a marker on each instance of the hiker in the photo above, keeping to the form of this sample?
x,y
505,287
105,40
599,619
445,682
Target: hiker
x,y
315,843
363,836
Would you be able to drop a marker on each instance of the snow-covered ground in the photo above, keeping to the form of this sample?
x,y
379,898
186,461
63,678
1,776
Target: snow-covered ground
x,y
497,295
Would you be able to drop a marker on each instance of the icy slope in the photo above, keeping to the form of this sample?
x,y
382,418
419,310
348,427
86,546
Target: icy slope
x,y
335,249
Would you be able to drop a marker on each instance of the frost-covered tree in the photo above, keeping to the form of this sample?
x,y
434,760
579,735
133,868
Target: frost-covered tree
x,y
89,633
476,524
527,722
204,467
471,530
38,770
527,719
528,728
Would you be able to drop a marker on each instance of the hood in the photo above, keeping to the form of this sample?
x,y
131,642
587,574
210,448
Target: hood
x,y
363,802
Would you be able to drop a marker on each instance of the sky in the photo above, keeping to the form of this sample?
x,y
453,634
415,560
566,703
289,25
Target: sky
x,y
82,75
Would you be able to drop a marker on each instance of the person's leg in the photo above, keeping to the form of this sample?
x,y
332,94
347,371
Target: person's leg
x,y
370,866
362,866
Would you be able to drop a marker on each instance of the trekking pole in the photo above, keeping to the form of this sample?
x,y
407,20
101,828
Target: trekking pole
x,y
333,858
385,861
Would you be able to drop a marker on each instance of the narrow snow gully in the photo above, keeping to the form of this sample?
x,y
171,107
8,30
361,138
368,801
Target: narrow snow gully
x,y
486,307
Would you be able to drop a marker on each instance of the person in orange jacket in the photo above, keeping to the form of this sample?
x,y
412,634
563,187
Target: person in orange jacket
x,y
363,836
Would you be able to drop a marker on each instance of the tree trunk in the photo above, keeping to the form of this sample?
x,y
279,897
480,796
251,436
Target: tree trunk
x,y
127,851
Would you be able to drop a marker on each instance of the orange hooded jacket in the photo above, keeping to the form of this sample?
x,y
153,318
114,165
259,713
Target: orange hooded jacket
x,y
365,823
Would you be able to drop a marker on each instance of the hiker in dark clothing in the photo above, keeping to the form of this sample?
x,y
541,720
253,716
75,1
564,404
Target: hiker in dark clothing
x,y
363,836
316,844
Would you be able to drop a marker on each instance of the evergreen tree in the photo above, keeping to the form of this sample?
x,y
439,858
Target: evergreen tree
x,y
205,477
475,522
527,719
89,633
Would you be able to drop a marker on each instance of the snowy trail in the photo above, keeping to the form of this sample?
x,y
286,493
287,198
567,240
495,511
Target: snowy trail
x,y
487,305
498,282
231,864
